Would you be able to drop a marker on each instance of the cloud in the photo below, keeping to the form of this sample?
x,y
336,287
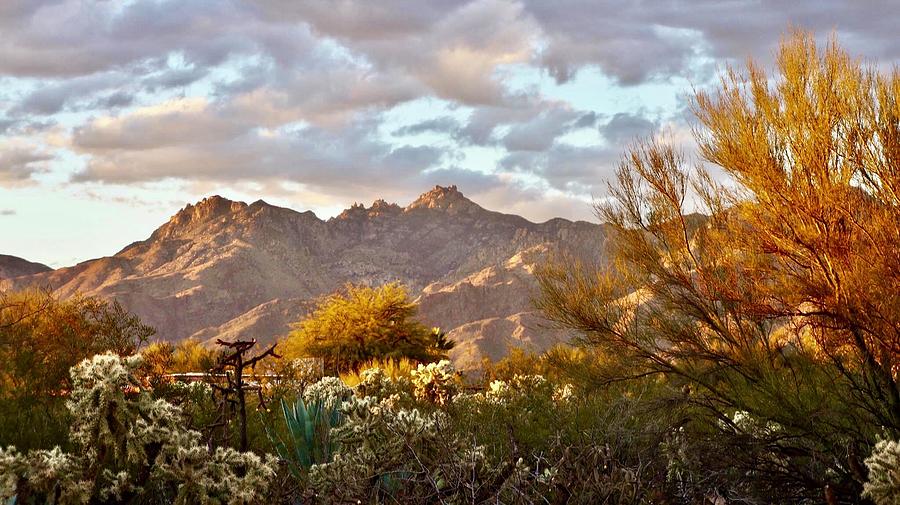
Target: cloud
x,y
536,203
579,170
7,212
19,161
52,98
625,128
336,96
193,139
539,132
443,124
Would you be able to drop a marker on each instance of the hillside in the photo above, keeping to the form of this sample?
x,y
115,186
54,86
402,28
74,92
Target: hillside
x,y
12,266
226,269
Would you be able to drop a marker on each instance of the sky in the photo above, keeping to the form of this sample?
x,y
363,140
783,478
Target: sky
x,y
115,114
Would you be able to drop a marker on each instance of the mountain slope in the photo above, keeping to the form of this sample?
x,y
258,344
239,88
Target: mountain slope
x,y
12,266
228,269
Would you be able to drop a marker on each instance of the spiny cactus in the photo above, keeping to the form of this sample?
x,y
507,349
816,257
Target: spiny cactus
x,y
126,443
884,474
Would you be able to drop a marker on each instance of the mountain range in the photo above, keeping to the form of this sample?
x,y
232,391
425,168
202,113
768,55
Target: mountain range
x,y
228,269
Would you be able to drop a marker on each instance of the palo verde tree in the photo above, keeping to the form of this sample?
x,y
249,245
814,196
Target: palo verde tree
x,y
364,323
776,313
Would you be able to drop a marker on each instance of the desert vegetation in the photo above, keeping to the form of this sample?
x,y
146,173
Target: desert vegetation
x,y
741,347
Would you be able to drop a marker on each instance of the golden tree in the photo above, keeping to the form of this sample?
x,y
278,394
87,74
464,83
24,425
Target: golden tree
x,y
365,323
781,299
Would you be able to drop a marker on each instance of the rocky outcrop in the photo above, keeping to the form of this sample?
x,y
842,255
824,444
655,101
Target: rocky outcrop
x,y
225,269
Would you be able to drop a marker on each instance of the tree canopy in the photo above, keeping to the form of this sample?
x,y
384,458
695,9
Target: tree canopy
x,y
363,323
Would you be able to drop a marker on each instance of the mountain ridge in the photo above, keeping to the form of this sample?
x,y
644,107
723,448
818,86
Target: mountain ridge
x,y
14,266
221,268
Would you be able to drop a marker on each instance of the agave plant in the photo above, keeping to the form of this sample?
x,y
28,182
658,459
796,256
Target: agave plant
x,y
308,440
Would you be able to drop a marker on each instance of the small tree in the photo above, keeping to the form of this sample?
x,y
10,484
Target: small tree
x,y
365,323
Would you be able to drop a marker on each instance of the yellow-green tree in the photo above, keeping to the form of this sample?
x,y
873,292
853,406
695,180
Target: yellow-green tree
x,y
777,314
364,323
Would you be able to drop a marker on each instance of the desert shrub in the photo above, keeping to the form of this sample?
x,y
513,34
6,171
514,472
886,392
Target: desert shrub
x,y
127,445
41,338
525,440
780,300
405,454
519,361
185,356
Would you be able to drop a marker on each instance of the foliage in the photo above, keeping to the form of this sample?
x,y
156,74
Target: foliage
x,y
127,444
308,440
41,337
182,357
364,323
392,369
411,449
781,301
883,486
557,363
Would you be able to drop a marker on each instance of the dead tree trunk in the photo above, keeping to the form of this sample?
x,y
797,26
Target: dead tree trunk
x,y
232,366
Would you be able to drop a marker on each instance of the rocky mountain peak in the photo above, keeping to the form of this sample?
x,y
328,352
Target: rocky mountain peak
x,y
379,208
444,198
211,207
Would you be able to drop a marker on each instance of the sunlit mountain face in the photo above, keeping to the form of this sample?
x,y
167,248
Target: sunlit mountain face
x,y
112,114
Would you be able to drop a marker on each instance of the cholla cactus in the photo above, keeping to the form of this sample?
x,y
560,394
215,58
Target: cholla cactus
x,y
435,382
102,415
52,473
10,460
376,382
126,440
396,450
521,386
744,422
884,474
330,391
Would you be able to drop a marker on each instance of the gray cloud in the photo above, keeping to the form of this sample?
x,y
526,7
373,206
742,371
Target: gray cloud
x,y
175,78
18,163
7,212
624,128
443,124
50,98
574,169
197,141
538,133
